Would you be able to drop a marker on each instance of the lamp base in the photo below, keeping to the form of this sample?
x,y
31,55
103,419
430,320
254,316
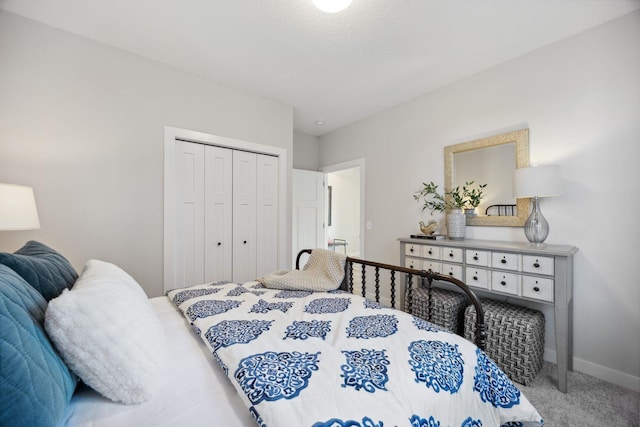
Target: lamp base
x,y
536,228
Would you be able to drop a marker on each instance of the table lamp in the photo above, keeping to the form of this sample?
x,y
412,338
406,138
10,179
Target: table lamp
x,y
17,208
536,182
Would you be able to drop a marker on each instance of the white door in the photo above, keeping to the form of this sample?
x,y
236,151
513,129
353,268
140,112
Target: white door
x,y
266,215
244,216
218,209
216,225
308,211
189,232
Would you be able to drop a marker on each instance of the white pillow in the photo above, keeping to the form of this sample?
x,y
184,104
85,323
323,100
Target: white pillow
x,y
108,334
100,269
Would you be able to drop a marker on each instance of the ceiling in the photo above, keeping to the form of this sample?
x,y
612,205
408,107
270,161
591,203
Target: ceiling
x,y
334,68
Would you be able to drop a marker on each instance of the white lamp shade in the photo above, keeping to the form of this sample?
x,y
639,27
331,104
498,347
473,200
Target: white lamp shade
x,y
541,181
17,208
332,6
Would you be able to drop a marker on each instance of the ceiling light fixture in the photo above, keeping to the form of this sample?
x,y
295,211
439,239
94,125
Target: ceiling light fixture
x,y
332,6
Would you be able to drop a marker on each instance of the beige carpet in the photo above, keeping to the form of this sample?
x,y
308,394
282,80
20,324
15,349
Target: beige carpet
x,y
589,402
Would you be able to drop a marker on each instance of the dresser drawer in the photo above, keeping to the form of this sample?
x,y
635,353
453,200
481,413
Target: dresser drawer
x,y
412,250
537,264
431,252
508,283
415,263
452,270
435,266
480,258
505,261
452,254
477,277
537,288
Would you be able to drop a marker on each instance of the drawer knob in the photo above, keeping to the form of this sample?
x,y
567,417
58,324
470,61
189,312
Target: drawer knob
x,y
504,261
475,258
430,252
245,242
537,289
219,243
451,254
503,283
536,265
411,250
451,273
475,278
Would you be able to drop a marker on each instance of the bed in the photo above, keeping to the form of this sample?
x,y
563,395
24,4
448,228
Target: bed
x,y
226,354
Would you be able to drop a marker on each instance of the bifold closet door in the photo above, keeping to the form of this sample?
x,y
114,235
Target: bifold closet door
x,y
218,211
267,214
227,214
244,216
189,235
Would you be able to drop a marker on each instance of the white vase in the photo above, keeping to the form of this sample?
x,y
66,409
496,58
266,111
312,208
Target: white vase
x,y
456,224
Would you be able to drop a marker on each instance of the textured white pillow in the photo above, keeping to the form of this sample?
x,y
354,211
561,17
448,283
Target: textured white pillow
x,y
108,334
105,270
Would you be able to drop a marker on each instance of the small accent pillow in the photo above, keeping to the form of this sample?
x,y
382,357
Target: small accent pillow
x,y
42,267
108,334
324,271
35,383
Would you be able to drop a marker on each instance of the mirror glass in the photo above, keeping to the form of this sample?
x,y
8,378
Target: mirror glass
x,y
491,160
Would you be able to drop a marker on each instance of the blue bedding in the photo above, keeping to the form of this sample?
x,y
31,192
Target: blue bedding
x,y
334,359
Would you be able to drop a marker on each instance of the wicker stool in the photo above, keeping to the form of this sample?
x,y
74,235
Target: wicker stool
x,y
515,337
448,308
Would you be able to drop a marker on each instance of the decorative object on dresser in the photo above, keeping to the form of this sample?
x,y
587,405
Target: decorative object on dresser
x,y
473,196
17,208
518,271
456,224
536,182
428,229
453,201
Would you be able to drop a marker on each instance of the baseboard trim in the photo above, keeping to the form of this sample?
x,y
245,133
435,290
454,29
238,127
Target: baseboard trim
x,y
598,371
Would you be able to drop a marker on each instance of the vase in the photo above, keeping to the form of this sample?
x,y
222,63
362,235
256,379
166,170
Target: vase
x,y
456,224
471,212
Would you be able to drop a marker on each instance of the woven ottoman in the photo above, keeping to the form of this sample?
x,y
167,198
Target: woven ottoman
x,y
448,308
515,337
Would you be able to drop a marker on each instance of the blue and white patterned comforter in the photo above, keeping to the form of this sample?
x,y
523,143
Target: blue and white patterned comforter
x,y
334,359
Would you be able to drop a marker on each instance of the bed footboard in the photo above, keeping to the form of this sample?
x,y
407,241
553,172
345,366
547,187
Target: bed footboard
x,y
394,273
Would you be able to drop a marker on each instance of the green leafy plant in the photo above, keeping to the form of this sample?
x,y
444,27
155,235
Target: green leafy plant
x,y
457,198
473,195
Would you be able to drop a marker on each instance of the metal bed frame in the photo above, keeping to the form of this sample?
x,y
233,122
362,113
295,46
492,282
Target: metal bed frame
x,y
425,279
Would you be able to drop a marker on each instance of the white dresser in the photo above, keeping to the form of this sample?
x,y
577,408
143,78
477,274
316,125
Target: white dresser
x,y
517,270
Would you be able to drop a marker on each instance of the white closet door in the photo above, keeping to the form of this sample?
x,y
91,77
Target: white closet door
x,y
267,215
189,239
244,216
218,209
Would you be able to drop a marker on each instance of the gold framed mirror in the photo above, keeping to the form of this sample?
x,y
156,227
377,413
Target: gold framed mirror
x,y
491,160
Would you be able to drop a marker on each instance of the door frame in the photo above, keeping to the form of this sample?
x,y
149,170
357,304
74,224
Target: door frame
x,y
171,134
349,165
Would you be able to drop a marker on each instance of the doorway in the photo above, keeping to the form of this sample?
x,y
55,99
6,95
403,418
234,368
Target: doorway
x,y
344,229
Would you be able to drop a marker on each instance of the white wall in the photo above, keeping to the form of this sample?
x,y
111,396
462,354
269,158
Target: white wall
x,y
580,98
83,124
306,151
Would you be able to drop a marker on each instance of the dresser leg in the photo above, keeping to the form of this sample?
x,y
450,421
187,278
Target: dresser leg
x,y
563,352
